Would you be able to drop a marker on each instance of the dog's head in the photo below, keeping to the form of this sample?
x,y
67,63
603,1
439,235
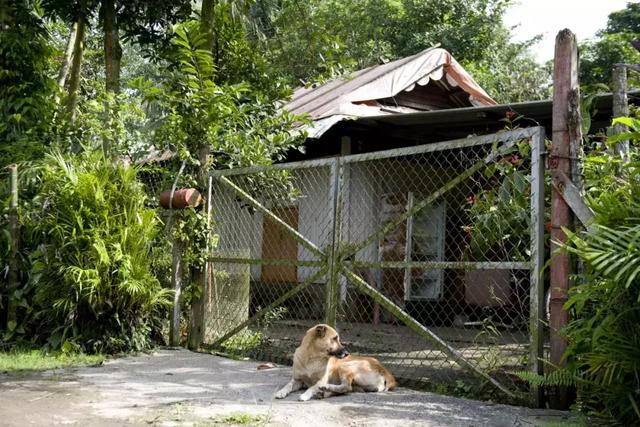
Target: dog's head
x,y
323,339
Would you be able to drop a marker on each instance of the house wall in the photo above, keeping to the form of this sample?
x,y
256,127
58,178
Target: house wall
x,y
315,213
360,207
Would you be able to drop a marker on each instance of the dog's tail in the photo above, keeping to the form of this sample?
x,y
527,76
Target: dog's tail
x,y
389,380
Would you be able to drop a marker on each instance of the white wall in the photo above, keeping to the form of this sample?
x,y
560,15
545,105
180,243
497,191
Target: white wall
x,y
314,213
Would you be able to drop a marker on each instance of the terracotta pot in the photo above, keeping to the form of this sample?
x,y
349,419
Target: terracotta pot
x,y
182,198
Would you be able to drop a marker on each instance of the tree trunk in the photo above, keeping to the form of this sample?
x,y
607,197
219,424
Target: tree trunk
x,y
66,62
112,49
76,62
207,21
14,236
200,276
112,56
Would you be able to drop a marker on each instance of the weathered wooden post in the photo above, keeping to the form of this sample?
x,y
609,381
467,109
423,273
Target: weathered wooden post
x,y
566,123
14,235
620,107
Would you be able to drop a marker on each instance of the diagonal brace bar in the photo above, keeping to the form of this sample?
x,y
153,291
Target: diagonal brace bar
x,y
571,194
421,330
273,217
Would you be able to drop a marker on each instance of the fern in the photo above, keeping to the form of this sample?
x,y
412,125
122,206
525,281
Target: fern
x,y
559,377
603,352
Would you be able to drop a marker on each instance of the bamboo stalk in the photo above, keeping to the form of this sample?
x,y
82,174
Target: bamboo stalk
x,y
14,235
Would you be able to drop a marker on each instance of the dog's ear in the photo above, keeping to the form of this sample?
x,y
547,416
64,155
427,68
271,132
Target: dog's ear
x,y
321,330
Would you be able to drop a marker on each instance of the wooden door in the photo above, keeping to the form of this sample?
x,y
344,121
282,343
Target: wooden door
x,y
278,244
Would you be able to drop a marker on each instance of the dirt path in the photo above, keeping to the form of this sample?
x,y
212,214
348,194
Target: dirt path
x,y
178,387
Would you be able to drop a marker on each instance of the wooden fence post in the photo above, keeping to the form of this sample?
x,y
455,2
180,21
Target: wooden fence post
x,y
620,107
566,134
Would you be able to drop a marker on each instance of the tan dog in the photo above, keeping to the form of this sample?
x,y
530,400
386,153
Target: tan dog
x,y
322,365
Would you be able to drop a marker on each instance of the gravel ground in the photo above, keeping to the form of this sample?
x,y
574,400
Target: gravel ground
x,y
179,387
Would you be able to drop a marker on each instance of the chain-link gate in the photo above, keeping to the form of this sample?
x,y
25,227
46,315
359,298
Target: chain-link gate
x,y
428,258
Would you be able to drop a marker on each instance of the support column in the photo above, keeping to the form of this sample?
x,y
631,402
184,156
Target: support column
x,y
566,129
333,289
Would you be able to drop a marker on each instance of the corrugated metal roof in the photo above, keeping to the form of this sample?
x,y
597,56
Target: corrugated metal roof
x,y
354,97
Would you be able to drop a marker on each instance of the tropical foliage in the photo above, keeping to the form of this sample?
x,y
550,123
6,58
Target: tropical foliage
x,y
603,353
26,89
611,46
334,37
88,279
604,340
499,214
91,275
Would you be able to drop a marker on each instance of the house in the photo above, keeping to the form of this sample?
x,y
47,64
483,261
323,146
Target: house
x,y
428,81
421,99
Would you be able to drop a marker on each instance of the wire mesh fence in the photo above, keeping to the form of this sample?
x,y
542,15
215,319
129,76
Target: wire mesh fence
x,y
427,258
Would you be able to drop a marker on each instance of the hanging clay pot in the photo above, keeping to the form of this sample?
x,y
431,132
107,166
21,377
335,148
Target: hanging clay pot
x,y
182,198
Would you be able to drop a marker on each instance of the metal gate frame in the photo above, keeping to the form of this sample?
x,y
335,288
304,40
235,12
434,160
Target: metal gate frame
x,y
334,262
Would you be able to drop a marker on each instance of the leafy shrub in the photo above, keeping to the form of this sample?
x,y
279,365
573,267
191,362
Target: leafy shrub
x,y
499,213
603,354
92,273
604,338
26,90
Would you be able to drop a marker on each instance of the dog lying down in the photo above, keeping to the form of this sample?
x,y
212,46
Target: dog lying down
x,y
322,366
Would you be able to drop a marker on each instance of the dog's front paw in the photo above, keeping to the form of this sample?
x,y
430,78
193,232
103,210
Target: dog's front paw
x,y
281,394
323,387
305,396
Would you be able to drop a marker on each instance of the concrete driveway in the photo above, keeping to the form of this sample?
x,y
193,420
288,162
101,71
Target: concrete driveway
x,y
179,387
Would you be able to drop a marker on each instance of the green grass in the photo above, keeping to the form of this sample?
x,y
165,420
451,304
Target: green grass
x,y
38,360
243,419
